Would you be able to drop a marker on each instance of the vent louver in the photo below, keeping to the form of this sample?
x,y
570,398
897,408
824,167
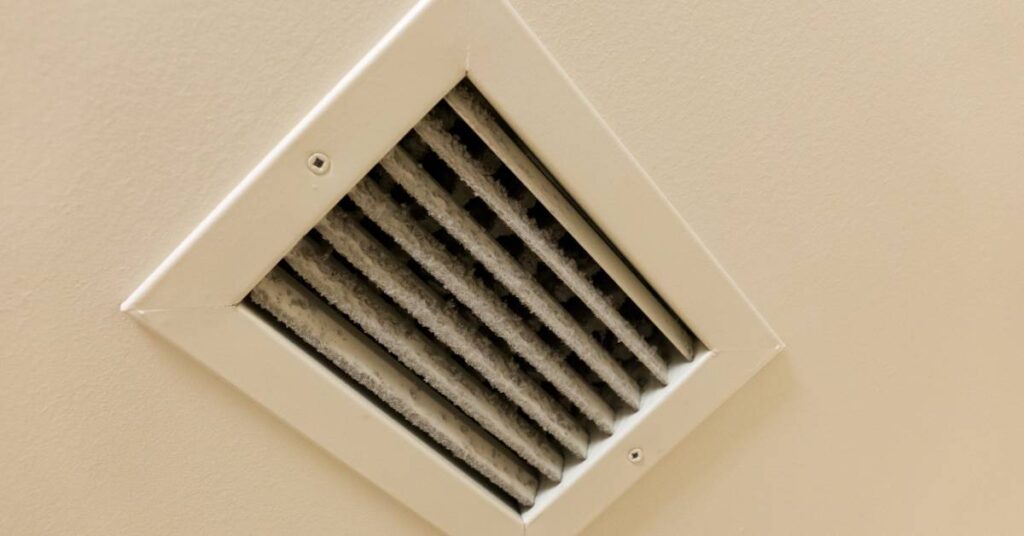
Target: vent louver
x,y
506,328
437,311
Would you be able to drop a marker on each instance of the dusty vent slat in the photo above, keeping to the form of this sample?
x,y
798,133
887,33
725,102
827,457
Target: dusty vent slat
x,y
323,329
514,215
477,114
507,269
459,285
399,334
459,279
459,333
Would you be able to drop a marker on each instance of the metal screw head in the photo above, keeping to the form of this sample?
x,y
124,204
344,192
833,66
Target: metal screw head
x,y
318,163
635,456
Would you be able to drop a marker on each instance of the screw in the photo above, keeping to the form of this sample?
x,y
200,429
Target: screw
x,y
318,163
636,456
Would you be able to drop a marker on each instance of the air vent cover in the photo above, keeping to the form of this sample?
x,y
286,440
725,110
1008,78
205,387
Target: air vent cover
x,y
455,279
445,257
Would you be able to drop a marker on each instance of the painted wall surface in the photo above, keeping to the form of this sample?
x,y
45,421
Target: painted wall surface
x,y
857,167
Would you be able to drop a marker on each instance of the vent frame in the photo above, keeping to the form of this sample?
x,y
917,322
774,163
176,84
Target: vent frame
x,y
193,298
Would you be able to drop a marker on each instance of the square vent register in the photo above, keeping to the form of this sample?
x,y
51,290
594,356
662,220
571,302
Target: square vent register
x,y
487,326
455,279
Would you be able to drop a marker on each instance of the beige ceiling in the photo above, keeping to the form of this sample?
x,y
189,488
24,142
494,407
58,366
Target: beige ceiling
x,y
857,167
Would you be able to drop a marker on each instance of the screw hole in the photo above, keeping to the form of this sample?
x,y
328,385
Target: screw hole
x,y
318,163
636,456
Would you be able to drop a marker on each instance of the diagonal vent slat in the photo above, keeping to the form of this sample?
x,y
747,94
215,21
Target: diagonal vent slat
x,y
324,329
458,333
477,114
506,269
458,278
400,335
512,214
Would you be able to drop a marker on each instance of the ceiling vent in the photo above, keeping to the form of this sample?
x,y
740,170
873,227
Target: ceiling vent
x,y
455,279
515,345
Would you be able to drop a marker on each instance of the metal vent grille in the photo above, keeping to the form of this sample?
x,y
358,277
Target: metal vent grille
x,y
506,328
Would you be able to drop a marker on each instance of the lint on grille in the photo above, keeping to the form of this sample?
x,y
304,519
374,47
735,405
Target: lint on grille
x,y
499,322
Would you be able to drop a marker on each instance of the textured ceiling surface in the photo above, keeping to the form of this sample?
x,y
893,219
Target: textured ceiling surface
x,y
856,168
